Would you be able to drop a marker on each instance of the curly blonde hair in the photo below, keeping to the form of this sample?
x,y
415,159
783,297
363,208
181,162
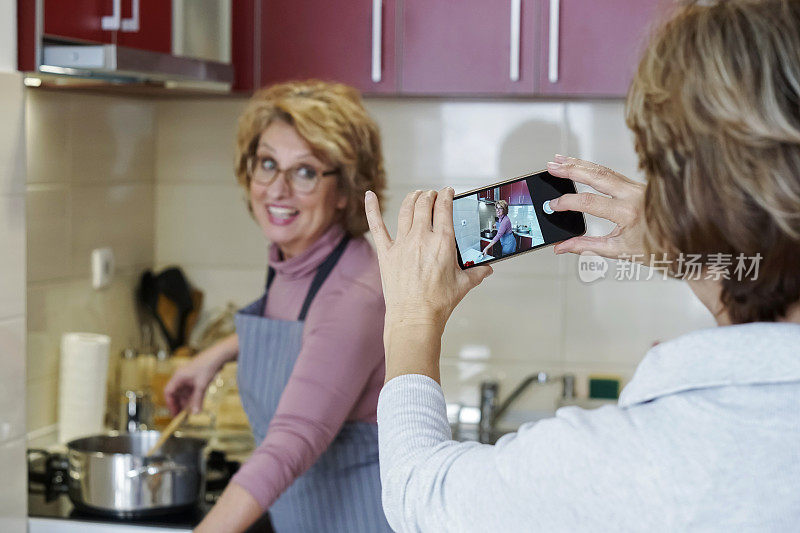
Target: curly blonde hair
x,y
502,204
332,119
715,111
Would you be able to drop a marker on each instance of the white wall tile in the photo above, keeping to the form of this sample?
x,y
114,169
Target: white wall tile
x,y
13,496
12,248
48,231
112,138
196,140
49,136
41,401
12,361
517,318
458,142
119,216
12,134
205,225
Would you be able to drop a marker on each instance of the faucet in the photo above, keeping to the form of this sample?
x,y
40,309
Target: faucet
x,y
491,412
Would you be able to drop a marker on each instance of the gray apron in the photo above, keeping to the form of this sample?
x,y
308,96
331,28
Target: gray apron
x,y
341,492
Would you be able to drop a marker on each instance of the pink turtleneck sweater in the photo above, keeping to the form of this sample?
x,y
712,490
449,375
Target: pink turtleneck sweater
x,y
340,369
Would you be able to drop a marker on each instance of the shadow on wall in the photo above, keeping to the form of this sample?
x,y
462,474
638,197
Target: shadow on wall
x,y
528,147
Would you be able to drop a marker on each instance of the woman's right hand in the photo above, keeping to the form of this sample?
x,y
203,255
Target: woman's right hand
x,y
188,384
624,206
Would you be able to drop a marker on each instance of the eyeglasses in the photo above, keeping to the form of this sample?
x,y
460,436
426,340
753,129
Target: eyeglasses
x,y
302,178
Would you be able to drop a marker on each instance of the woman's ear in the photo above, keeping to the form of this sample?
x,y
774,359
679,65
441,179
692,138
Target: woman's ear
x,y
341,202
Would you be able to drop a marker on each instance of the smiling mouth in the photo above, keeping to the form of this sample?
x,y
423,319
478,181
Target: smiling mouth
x,y
282,212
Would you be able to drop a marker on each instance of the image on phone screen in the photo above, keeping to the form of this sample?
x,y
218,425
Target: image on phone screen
x,y
511,218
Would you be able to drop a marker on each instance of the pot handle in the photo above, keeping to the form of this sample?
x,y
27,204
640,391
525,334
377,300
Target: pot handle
x,y
154,470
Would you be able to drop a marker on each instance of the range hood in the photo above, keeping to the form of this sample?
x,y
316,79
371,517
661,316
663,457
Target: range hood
x,y
121,64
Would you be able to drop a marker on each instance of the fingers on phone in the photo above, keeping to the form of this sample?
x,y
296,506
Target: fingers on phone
x,y
592,204
598,177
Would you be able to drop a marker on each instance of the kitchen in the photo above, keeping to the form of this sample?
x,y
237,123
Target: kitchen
x,y
147,171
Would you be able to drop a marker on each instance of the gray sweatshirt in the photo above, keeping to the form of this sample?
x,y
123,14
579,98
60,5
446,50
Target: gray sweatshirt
x,y
705,437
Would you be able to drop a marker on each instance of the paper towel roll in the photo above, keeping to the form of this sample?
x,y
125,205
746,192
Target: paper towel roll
x,y
82,384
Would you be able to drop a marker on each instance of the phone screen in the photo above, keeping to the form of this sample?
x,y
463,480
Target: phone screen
x,y
511,217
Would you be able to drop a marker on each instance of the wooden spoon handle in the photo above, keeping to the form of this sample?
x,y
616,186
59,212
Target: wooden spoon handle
x,y
168,431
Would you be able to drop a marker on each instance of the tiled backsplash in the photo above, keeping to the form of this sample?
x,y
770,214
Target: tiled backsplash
x,y
532,315
91,184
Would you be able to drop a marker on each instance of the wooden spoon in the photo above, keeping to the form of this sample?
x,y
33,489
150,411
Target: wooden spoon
x,y
168,431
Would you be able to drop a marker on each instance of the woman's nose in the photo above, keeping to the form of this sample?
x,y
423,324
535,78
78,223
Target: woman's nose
x,y
279,188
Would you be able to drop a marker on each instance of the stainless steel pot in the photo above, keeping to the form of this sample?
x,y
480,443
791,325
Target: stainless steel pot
x,y
109,474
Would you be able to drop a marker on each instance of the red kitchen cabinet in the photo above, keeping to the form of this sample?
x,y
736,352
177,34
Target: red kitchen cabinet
x,y
150,28
142,24
468,47
506,192
79,19
349,41
591,48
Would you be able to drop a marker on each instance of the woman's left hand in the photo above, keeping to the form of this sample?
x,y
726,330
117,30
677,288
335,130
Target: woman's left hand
x,y
422,282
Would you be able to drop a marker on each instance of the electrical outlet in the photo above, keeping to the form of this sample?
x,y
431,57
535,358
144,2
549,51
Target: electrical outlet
x,y
102,267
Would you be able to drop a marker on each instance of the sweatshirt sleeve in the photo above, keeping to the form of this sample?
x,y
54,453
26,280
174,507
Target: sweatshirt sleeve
x,y
529,481
342,353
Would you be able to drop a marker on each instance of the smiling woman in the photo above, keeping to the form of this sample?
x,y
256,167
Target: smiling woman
x,y
310,357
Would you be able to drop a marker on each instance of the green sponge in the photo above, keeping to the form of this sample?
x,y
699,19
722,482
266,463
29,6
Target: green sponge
x,y
604,387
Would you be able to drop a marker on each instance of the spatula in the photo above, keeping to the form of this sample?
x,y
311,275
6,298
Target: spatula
x,y
168,431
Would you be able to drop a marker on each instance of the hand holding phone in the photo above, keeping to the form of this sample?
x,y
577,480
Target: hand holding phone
x,y
512,217
623,205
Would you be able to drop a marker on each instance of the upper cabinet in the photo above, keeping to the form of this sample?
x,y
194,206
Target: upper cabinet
x,y
142,24
591,48
350,41
468,47
146,25
85,20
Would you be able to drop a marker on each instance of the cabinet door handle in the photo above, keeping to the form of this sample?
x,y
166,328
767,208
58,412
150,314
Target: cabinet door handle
x,y
111,23
377,39
132,24
552,71
516,21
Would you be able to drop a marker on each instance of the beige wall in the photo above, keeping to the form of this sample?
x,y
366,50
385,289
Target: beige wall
x,y
90,184
534,314
13,497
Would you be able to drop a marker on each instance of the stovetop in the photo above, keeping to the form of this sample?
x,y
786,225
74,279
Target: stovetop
x,y
47,493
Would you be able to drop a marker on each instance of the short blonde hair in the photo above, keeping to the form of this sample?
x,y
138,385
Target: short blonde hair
x,y
715,111
502,204
332,119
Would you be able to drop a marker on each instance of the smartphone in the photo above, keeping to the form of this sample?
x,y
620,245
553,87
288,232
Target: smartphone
x,y
518,209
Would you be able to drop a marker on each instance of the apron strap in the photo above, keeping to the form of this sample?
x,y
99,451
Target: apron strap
x,y
322,274
270,279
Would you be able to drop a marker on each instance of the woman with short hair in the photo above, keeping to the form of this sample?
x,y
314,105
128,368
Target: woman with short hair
x,y
310,357
705,436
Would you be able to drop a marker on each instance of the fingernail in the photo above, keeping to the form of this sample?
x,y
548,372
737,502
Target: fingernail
x,y
553,165
561,158
366,195
554,203
451,189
